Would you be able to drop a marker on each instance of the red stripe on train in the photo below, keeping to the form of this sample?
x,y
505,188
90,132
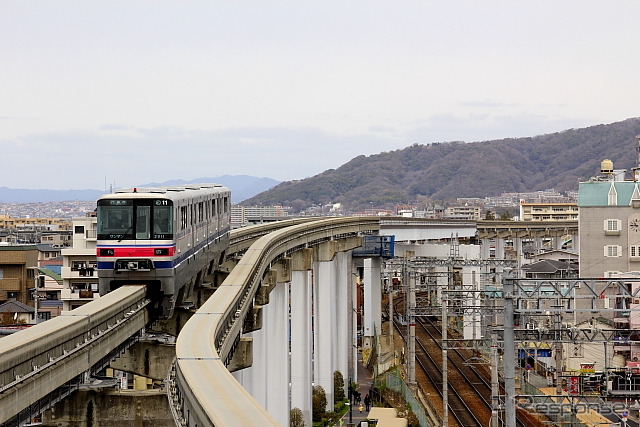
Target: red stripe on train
x,y
136,252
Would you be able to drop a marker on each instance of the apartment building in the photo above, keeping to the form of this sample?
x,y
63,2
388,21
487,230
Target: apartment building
x,y
56,239
47,223
548,211
242,215
79,266
470,213
18,265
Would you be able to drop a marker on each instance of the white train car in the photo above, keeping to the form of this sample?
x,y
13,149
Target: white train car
x,y
167,238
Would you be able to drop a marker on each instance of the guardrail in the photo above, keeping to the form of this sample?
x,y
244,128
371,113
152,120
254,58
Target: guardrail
x,y
202,390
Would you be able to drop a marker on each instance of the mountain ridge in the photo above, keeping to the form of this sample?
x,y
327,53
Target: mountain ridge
x,y
243,187
447,170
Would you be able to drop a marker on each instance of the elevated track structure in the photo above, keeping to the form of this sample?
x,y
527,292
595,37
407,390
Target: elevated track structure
x,y
204,392
50,359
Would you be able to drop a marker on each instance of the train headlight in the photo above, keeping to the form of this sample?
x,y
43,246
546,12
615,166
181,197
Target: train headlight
x,y
107,252
161,251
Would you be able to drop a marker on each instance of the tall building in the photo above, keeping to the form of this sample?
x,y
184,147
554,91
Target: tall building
x,y
609,226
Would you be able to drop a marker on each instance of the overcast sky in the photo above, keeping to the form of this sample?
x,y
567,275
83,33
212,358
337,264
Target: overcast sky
x,y
131,92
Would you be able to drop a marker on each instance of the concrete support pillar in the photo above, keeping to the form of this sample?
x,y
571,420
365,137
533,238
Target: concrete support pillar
x,y
277,354
267,380
343,337
254,379
499,248
499,255
538,244
301,338
354,326
517,246
239,376
486,248
324,313
557,242
372,297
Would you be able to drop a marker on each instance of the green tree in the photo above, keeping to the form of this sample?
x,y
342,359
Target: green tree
x,y
338,386
296,419
318,403
489,215
505,216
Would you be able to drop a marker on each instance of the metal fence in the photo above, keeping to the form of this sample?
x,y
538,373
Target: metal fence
x,y
397,384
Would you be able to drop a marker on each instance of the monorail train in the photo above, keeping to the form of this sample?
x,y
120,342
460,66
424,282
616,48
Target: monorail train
x,y
167,238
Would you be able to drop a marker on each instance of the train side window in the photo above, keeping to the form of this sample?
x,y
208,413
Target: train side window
x,y
183,217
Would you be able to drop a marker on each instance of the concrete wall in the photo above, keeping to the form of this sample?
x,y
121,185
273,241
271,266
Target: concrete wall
x,y
90,408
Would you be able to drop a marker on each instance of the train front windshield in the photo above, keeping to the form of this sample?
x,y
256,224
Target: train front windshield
x,y
143,219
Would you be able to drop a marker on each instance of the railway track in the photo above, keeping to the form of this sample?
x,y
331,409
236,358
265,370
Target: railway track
x,y
469,397
430,365
472,394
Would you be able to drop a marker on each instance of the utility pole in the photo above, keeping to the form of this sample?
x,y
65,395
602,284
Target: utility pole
x,y
445,380
390,289
411,362
509,349
495,389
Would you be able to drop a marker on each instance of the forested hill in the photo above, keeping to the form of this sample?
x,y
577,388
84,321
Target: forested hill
x,y
445,171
